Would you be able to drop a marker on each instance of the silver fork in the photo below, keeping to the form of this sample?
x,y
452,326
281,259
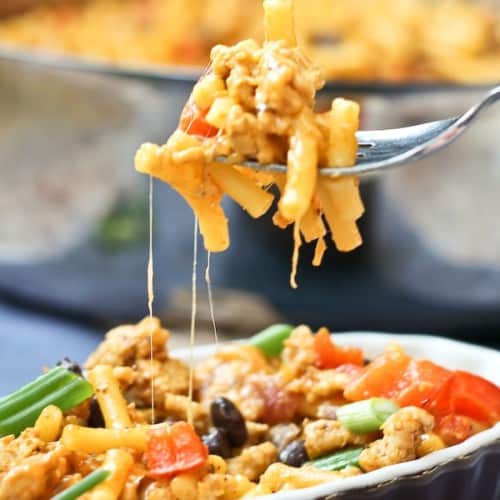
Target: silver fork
x,y
380,150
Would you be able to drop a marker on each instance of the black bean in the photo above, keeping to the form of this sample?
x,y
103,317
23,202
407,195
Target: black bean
x,y
218,443
71,366
95,417
225,414
294,454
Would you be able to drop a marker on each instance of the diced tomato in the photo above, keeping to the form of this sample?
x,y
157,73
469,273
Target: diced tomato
x,y
279,405
469,395
193,121
174,449
381,378
329,355
454,429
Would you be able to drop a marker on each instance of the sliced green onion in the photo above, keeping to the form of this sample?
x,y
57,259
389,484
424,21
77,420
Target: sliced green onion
x,y
57,377
338,460
271,340
366,416
58,387
86,484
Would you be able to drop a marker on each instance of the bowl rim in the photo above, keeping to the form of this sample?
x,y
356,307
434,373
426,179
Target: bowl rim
x,y
190,74
427,464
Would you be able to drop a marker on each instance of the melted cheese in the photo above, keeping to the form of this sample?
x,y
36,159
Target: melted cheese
x,y
192,333
151,294
297,243
210,299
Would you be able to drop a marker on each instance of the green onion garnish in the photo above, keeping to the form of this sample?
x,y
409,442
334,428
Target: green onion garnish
x,y
270,340
41,386
58,387
366,416
338,460
86,484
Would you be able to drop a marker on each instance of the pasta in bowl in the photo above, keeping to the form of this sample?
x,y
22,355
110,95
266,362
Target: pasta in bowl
x,y
287,409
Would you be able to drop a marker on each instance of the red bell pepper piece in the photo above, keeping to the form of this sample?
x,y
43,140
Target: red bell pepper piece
x,y
394,375
173,450
469,395
381,378
329,355
421,382
411,382
193,121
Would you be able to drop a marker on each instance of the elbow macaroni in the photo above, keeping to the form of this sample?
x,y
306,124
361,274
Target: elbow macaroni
x,y
279,21
118,463
111,401
88,440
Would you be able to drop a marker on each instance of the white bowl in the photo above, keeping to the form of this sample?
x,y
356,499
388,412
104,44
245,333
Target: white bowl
x,y
449,353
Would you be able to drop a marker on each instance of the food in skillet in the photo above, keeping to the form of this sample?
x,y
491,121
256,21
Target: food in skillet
x,y
257,102
288,410
384,40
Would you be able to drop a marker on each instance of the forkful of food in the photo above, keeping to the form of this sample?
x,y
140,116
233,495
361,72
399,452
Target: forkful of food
x,y
250,131
381,150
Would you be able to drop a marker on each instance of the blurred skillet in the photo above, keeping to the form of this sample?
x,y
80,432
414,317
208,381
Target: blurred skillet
x,y
101,112
189,74
8,7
